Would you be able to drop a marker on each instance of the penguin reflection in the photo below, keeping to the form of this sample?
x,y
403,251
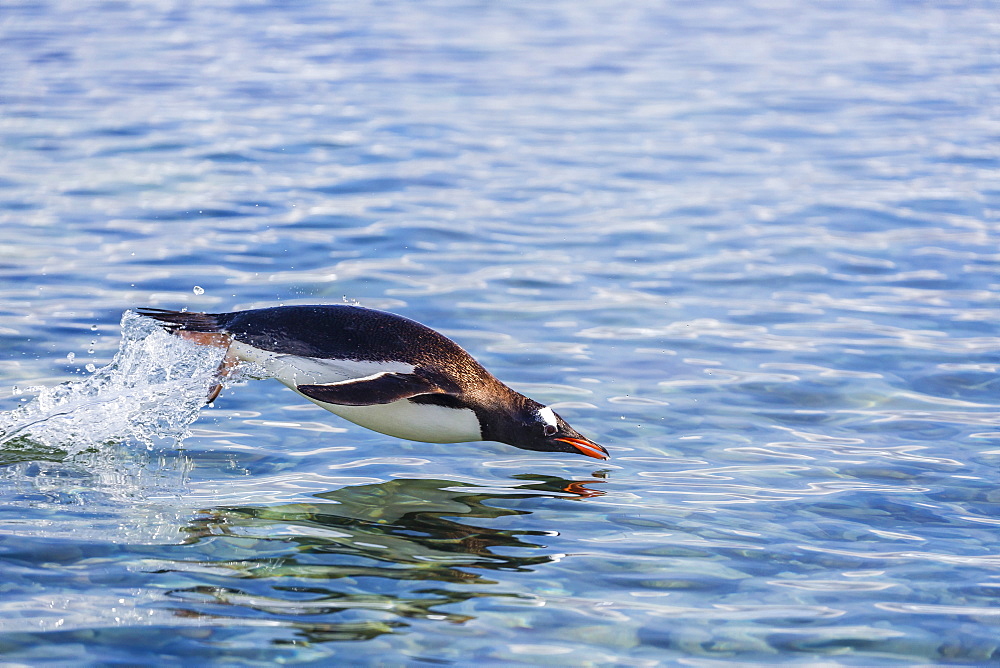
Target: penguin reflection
x,y
406,531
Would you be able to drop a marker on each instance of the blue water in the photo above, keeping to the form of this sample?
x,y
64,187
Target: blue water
x,y
751,247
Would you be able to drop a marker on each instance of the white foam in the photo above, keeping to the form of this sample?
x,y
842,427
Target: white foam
x,y
149,393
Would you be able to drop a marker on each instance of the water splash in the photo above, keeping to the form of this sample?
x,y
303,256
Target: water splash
x,y
149,394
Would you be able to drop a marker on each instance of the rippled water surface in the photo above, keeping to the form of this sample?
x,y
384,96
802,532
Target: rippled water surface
x,y
752,247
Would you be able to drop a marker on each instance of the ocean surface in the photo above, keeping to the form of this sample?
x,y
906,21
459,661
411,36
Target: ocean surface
x,y
751,247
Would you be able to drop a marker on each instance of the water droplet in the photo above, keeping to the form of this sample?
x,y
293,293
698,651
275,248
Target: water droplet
x,y
16,391
93,328
198,290
91,368
71,356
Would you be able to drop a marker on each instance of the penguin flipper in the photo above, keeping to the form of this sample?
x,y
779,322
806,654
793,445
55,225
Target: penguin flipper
x,y
379,388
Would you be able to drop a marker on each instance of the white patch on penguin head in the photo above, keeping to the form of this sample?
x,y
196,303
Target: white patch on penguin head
x,y
548,416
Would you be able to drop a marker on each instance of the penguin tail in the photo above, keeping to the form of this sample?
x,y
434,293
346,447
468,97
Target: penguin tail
x,y
183,321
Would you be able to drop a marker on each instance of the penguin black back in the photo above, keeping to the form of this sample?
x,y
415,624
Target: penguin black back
x,y
336,331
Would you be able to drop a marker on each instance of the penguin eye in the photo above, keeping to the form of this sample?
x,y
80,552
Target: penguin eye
x,y
550,429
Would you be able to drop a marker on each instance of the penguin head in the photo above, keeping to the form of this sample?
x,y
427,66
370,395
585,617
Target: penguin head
x,y
537,427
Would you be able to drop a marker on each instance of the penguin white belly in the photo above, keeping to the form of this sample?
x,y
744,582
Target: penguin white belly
x,y
402,419
294,370
415,422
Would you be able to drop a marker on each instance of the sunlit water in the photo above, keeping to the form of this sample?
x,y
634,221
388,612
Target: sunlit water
x,y
753,248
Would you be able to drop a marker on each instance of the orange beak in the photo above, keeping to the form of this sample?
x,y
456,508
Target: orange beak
x,y
586,447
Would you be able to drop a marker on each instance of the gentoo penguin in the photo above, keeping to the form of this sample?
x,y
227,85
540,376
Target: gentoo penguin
x,y
381,371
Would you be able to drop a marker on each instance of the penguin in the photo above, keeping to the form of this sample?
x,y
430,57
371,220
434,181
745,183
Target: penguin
x,y
382,371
